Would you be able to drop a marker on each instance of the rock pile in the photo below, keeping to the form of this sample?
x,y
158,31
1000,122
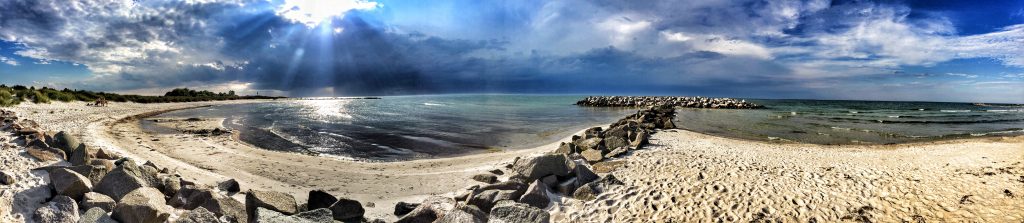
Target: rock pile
x,y
525,195
686,102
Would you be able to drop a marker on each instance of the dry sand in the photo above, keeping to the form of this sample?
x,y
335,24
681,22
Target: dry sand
x,y
682,177
691,177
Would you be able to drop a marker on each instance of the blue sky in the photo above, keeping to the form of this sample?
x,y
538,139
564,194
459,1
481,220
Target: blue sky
x,y
865,50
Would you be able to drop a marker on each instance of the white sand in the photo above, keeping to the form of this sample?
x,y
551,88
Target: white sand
x,y
686,176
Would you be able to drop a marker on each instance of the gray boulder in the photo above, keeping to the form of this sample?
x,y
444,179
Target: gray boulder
x,y
45,154
640,140
567,148
536,195
79,156
227,208
320,199
486,178
347,209
65,142
190,197
263,215
567,187
6,178
142,205
464,214
594,132
171,184
94,173
592,155
198,215
613,142
317,215
429,210
124,179
584,175
230,186
97,200
69,183
618,131
402,208
590,143
96,215
486,199
586,192
616,152
512,212
536,167
61,209
273,200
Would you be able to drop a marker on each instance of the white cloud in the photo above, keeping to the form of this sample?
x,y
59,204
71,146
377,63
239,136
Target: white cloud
x,y
718,44
963,75
8,61
313,12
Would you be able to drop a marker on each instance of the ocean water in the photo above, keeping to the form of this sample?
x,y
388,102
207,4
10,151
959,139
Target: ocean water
x,y
856,122
406,127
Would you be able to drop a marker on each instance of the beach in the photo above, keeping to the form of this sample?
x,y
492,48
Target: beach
x,y
681,176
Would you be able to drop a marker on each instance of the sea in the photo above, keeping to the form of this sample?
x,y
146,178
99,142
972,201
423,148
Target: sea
x,y
433,126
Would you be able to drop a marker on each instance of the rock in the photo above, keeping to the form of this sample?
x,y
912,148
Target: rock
x,y
96,215
94,173
320,199
38,143
590,144
567,148
273,200
68,183
550,180
103,154
79,156
607,166
45,154
347,209
536,195
584,175
226,208
667,123
97,200
190,197
486,199
65,142
171,183
497,172
486,178
124,179
107,165
464,214
402,208
540,166
640,140
567,187
431,209
618,131
317,215
586,192
616,152
198,215
512,212
61,209
231,186
594,132
142,205
592,155
613,142
6,178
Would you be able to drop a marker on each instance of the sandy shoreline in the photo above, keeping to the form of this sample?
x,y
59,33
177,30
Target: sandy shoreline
x,y
712,177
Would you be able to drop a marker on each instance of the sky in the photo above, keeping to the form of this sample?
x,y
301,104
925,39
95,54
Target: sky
x,y
938,50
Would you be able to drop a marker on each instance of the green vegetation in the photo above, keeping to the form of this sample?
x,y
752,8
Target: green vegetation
x,y
14,95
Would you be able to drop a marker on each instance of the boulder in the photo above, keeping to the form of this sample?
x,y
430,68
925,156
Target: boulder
x,y
190,197
590,143
592,155
536,195
38,143
6,178
171,184
273,200
94,173
270,216
96,215
551,181
464,214
567,187
512,212
431,209
486,178
97,200
640,140
540,166
45,154
61,209
198,215
616,152
618,131
497,172
584,175
567,148
347,209
320,199
126,178
586,192
142,205
79,156
594,132
227,208
107,165
667,123
486,199
68,183
231,186
103,154
512,184
317,215
402,208
65,142
613,142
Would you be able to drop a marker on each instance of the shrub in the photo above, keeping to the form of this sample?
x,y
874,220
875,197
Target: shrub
x,y
7,99
39,97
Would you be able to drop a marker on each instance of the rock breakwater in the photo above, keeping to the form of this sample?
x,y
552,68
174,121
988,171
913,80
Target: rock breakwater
x,y
686,102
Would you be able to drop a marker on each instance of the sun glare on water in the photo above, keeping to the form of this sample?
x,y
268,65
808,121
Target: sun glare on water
x,y
313,12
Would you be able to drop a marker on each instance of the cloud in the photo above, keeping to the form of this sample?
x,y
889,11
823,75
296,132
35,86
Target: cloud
x,y
8,61
963,75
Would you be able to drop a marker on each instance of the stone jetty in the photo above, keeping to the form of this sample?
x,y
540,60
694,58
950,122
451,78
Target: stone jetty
x,y
686,102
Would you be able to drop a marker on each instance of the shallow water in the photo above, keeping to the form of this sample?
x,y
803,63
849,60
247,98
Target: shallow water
x,y
407,127
856,122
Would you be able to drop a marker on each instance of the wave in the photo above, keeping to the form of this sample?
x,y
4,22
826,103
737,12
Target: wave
x,y
1005,110
432,104
955,110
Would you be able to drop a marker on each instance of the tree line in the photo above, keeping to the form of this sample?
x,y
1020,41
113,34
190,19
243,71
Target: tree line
x,y
14,95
